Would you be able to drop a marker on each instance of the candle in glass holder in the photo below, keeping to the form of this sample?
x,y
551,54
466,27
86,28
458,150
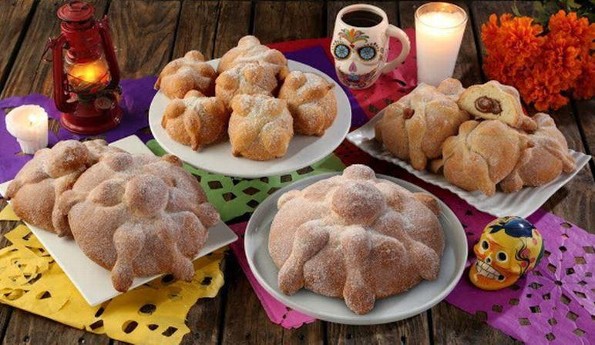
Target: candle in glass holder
x,y
29,125
439,29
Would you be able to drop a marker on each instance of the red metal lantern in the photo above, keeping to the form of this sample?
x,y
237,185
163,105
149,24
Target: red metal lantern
x,y
85,70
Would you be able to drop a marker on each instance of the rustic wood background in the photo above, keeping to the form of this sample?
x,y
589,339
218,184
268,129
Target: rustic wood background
x,y
147,34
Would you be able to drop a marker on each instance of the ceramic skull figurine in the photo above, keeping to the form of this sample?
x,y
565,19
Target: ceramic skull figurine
x,y
507,249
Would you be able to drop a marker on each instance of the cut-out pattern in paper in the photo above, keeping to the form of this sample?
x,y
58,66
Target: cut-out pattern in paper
x,y
153,313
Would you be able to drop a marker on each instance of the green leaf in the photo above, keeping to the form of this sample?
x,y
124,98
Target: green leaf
x,y
515,10
571,4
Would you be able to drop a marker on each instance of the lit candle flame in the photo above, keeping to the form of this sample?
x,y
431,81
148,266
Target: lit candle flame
x,y
95,72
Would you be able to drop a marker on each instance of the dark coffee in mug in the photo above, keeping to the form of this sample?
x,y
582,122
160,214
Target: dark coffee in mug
x,y
362,19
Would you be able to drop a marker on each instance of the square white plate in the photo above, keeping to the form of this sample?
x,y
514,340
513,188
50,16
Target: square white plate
x,y
522,203
93,281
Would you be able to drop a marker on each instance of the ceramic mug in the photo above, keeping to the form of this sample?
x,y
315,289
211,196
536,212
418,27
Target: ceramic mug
x,y
360,45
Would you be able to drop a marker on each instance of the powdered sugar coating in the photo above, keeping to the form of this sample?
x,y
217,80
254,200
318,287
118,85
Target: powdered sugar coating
x,y
196,120
187,73
415,127
355,237
260,127
311,102
139,215
249,50
543,160
245,79
51,172
482,155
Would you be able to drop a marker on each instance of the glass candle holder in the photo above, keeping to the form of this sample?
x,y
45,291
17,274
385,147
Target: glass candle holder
x,y
439,28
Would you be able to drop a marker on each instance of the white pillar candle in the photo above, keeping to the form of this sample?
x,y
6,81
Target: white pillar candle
x,y
29,125
439,29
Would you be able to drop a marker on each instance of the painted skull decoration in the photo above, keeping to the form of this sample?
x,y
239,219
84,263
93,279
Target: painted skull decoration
x,y
507,249
358,58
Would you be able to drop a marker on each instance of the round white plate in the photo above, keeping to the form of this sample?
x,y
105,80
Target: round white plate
x,y
420,298
302,151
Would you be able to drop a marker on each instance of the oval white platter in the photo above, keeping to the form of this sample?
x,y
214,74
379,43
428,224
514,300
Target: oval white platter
x,y
303,150
522,203
410,303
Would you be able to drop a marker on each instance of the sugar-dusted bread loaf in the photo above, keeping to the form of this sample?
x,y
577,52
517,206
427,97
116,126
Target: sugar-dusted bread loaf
x,y
260,127
51,172
249,50
195,121
495,101
187,73
245,79
139,215
355,237
544,160
311,101
482,155
415,127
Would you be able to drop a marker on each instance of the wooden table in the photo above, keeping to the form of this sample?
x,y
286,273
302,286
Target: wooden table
x,y
148,34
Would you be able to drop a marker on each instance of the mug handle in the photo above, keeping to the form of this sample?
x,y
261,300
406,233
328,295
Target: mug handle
x,y
399,34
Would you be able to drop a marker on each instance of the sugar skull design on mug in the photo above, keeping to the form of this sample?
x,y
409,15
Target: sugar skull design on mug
x,y
360,45
508,248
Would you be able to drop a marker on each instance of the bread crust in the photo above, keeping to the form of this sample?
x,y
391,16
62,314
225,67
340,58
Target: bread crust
x,y
482,155
51,172
544,160
355,237
311,101
415,127
495,101
189,72
260,127
195,121
139,215
245,79
249,50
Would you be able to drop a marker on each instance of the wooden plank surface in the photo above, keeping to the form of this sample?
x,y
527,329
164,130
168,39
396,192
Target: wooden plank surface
x,y
198,28
143,32
234,23
276,21
585,114
147,35
26,328
333,7
13,16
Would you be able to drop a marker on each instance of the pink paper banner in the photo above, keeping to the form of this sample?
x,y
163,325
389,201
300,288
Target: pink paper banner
x,y
277,312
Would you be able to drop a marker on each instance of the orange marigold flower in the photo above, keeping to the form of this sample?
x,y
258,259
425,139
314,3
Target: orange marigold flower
x,y
576,30
585,85
541,66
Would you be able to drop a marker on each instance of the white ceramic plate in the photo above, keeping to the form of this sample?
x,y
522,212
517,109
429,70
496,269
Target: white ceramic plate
x,y
522,203
420,298
302,151
93,281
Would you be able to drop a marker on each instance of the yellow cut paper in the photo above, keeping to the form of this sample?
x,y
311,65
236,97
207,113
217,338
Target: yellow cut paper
x,y
8,214
153,313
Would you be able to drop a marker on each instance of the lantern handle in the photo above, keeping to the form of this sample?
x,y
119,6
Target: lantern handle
x,y
108,49
61,94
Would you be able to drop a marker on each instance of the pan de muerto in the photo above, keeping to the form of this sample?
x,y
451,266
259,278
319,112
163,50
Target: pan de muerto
x,y
355,237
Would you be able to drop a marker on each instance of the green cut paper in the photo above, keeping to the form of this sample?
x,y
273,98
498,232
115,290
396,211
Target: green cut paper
x,y
234,197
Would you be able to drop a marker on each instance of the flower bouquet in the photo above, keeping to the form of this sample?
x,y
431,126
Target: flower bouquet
x,y
547,63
